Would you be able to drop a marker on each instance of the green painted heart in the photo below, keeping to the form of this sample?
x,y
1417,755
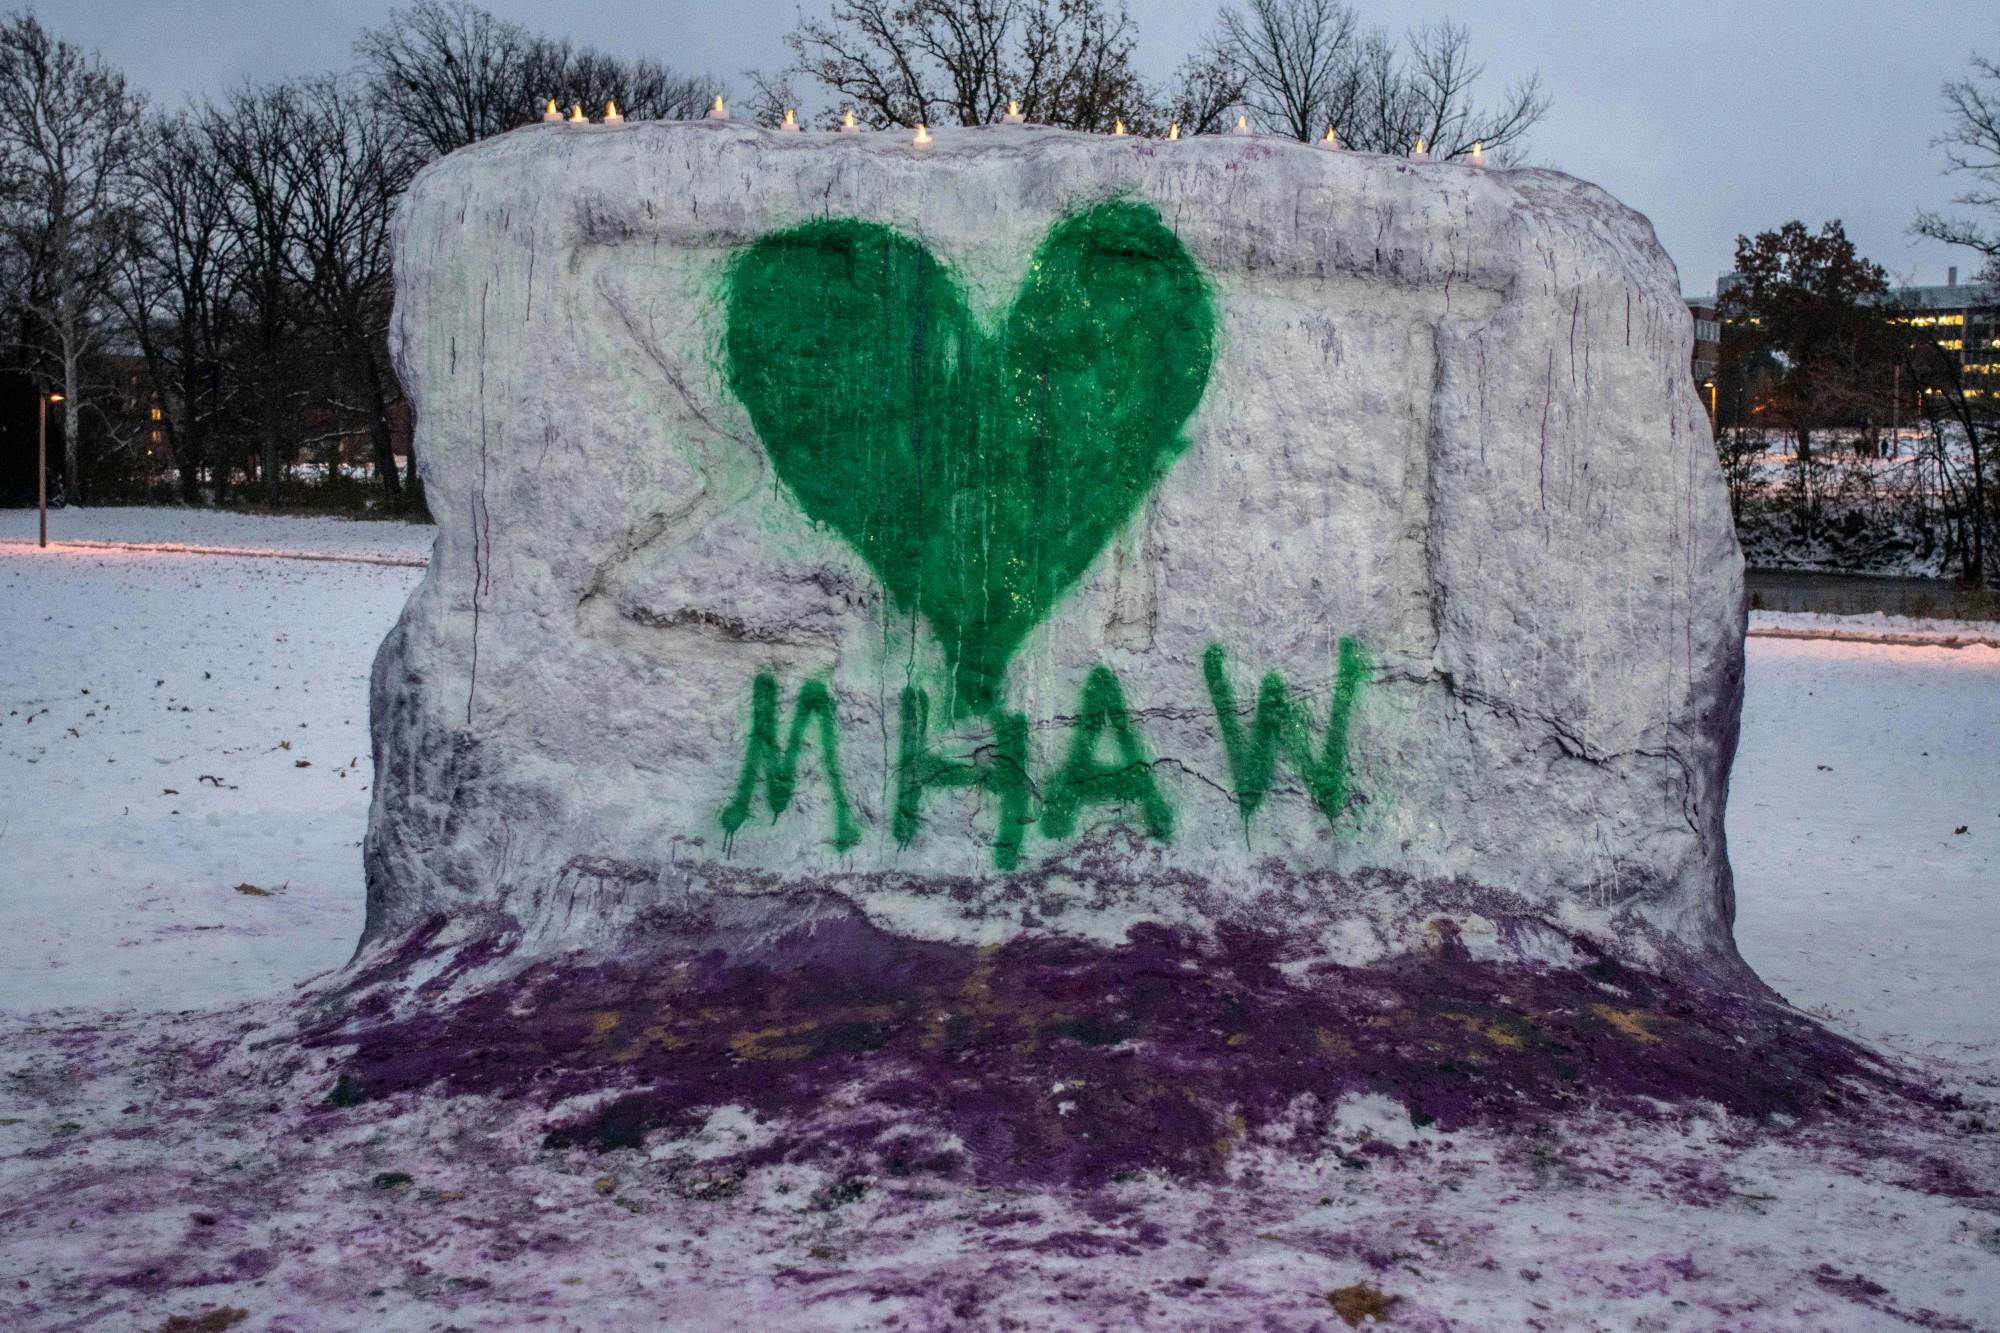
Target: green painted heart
x,y
978,472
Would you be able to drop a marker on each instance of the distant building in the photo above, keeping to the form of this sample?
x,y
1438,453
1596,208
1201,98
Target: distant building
x,y
1707,337
1966,318
1707,350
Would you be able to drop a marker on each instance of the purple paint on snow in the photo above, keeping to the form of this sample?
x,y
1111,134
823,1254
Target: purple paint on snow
x,y
1055,1060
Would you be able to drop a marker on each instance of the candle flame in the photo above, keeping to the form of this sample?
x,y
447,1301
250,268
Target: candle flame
x,y
718,108
610,110
790,118
552,108
1421,146
847,121
1329,139
576,116
923,135
1174,130
1478,153
1118,127
1013,107
1243,122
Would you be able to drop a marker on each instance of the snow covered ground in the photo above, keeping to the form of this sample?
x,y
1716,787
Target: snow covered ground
x,y
211,528
183,744
1864,828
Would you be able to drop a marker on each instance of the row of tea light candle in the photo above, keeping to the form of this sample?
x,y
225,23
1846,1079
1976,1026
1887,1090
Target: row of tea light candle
x,y
551,116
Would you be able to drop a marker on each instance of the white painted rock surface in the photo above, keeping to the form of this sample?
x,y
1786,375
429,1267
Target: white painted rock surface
x,y
1447,418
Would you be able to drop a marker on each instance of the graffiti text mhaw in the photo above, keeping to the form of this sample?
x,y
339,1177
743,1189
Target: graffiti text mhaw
x,y
1105,764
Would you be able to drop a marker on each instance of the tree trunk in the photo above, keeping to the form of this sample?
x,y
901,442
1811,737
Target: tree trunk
x,y
1975,556
378,428
72,445
184,445
267,449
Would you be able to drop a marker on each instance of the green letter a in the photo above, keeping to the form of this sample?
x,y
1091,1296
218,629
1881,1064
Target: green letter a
x,y
780,769
1279,726
1084,780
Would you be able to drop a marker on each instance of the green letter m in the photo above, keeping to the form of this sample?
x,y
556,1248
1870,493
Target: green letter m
x,y
780,768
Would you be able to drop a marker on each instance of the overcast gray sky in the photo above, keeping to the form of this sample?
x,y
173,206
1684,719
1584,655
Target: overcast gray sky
x,y
1713,119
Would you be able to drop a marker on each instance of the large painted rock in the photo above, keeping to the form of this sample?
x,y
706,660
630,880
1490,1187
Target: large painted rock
x,y
1037,533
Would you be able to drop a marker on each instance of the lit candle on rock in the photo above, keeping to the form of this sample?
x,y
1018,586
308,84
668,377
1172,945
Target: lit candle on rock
x,y
1242,126
1118,127
847,125
551,116
791,125
1329,141
1174,132
1422,152
1013,116
611,116
923,139
1477,157
576,116
718,111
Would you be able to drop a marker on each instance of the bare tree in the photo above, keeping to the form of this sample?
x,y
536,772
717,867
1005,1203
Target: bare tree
x,y
908,62
1308,66
449,73
252,132
1294,56
1955,407
771,96
1206,88
178,283
69,129
344,171
1426,90
1972,148
644,89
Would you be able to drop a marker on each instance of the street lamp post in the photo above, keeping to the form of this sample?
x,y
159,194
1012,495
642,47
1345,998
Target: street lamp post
x,y
42,462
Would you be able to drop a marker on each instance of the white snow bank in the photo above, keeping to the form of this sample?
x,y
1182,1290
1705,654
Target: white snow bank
x,y
1873,624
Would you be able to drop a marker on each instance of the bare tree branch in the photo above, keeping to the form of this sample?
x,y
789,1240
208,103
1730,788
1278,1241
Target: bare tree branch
x,y
1972,149
908,62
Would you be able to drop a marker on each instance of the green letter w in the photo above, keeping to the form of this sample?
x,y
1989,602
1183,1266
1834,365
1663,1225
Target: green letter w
x,y
1280,726
780,769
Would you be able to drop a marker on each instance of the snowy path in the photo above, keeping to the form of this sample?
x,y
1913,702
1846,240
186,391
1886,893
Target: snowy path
x,y
180,726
